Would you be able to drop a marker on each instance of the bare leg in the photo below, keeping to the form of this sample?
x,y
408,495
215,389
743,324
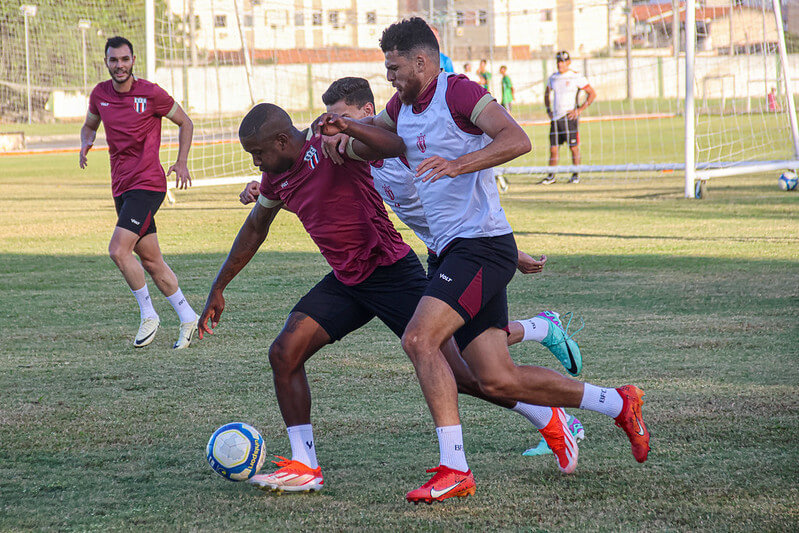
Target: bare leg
x,y
120,249
300,338
153,262
432,324
499,376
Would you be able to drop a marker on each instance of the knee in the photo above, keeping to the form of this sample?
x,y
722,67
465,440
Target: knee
x,y
117,253
469,385
415,343
150,265
283,358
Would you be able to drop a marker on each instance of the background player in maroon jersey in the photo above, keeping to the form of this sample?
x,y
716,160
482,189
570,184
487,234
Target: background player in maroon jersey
x,y
131,110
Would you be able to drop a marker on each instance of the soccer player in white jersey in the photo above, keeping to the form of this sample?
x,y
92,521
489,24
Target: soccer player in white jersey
x,y
565,86
352,98
454,133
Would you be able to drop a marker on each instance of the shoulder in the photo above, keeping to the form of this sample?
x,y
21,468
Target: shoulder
x,y
458,85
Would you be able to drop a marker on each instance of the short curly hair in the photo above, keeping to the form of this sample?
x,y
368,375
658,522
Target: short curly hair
x,y
354,91
408,35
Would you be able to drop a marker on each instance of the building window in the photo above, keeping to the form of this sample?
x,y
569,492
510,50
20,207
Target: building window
x,y
316,18
220,21
482,17
299,19
546,15
459,18
248,21
371,17
332,18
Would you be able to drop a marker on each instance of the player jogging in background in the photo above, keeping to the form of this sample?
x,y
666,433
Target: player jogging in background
x,y
565,86
131,110
353,98
454,133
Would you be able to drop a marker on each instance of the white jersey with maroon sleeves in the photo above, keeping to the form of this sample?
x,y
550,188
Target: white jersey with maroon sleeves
x,y
466,206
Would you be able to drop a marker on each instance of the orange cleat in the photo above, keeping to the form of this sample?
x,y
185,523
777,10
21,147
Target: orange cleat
x,y
446,483
292,476
631,421
561,441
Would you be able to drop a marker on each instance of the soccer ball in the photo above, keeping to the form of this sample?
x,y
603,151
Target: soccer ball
x,y
788,181
236,451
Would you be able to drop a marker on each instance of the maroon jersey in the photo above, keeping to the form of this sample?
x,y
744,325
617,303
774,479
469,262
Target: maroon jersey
x,y
341,211
132,123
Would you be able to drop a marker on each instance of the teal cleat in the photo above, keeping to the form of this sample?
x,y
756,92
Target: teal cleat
x,y
561,344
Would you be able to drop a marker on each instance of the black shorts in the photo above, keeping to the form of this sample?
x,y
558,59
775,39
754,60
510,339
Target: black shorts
x,y
136,210
564,130
471,276
391,294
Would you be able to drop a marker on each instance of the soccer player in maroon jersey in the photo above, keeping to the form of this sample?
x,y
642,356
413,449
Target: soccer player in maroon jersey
x,y
375,274
131,109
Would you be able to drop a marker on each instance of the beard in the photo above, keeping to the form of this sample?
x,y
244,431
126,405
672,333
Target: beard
x,y
125,75
411,91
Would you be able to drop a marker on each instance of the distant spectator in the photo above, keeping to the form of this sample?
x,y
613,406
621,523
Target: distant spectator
x,y
484,75
772,100
467,71
565,85
446,62
507,88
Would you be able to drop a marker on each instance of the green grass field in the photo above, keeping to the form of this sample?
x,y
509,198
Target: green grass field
x,y
694,301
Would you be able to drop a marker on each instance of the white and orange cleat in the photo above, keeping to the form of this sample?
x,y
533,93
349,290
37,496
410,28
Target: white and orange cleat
x,y
291,476
561,441
446,483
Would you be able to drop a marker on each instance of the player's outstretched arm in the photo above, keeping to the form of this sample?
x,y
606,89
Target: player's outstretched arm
x,y
185,133
88,132
250,237
369,142
509,141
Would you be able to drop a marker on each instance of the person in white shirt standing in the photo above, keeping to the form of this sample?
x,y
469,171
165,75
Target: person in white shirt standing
x,y
565,86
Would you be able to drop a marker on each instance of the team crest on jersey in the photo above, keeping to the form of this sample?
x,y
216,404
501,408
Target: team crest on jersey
x,y
388,191
420,142
139,104
311,158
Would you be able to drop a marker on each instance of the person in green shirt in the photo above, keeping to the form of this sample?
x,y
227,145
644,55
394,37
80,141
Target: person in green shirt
x,y
485,76
507,88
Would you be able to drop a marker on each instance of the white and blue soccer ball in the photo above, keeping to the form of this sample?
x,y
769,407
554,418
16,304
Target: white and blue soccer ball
x,y
788,181
236,451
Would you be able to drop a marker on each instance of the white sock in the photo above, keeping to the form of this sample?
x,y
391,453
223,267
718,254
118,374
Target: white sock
x,y
538,415
182,307
450,447
145,303
535,329
303,448
602,400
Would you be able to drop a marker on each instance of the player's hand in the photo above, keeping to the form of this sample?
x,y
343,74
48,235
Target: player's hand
x,y
335,145
84,150
573,114
213,310
329,124
437,167
182,176
528,265
250,193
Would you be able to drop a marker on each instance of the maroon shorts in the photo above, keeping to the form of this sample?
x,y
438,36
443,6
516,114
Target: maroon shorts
x,y
471,276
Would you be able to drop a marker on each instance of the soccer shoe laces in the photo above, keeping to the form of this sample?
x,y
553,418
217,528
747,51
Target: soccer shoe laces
x,y
569,336
283,461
